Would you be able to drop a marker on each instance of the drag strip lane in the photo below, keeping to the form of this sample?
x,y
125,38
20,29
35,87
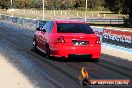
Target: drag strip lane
x,y
17,45
22,48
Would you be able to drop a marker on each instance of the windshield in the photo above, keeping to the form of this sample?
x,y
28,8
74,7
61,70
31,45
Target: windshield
x,y
74,28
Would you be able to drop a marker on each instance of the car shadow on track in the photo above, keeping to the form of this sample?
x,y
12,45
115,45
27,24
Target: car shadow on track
x,y
61,59
72,59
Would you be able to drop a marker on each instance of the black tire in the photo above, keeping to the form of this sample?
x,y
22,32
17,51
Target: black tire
x,y
34,48
83,83
96,59
47,52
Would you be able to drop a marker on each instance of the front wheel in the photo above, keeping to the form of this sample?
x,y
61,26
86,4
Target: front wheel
x,y
34,46
47,52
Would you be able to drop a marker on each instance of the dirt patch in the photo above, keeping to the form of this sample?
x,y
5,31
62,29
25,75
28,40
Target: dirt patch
x,y
10,77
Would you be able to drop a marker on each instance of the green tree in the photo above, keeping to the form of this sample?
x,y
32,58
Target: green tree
x,y
39,4
114,5
129,5
120,5
5,4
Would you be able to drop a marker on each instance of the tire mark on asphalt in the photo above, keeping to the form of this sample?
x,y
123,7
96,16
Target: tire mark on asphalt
x,y
114,68
23,48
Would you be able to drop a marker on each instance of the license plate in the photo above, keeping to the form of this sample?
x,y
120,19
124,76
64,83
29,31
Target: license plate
x,y
77,42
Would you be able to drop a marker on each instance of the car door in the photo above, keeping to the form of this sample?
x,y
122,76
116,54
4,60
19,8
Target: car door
x,y
38,38
46,35
41,37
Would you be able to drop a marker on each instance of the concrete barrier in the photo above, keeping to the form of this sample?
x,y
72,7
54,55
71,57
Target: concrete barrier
x,y
98,31
115,36
19,20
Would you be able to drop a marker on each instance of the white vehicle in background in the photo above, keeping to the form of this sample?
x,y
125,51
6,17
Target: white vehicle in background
x,y
12,10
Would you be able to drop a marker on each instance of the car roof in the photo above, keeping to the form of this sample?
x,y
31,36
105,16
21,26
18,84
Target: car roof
x,y
69,21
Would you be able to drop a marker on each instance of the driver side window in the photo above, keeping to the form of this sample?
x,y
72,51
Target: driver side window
x,y
45,27
48,26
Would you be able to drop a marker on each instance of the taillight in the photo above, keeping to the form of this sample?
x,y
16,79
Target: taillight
x,y
60,40
98,40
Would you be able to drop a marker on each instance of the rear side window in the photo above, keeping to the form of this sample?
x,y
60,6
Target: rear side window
x,y
74,28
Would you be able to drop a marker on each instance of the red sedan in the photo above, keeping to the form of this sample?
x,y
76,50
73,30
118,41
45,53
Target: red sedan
x,y
67,38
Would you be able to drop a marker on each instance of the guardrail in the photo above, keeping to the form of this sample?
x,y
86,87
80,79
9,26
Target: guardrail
x,y
108,20
108,35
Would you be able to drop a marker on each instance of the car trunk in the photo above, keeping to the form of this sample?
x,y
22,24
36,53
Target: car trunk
x,y
78,39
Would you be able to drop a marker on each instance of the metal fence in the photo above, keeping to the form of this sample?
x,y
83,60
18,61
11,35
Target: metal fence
x,y
103,20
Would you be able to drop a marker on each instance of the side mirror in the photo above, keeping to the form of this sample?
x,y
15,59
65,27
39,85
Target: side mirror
x,y
38,29
44,30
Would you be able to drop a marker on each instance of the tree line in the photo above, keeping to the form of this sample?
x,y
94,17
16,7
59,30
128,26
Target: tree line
x,y
53,4
122,6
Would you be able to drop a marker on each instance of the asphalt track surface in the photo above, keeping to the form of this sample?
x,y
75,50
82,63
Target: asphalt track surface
x,y
16,44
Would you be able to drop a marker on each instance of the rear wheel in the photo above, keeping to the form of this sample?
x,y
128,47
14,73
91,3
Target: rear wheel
x,y
95,59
